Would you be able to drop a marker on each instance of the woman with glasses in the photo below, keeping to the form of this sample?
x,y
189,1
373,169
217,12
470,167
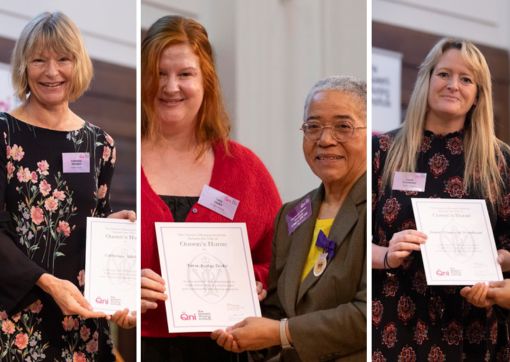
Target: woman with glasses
x,y
448,133
315,308
185,146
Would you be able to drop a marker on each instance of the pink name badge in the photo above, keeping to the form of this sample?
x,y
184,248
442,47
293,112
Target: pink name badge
x,y
409,181
76,162
218,202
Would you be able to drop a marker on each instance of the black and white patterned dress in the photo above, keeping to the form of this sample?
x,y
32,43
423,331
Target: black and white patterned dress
x,y
45,216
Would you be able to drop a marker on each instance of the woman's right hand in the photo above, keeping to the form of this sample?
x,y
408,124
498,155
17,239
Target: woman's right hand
x,y
477,295
499,293
484,295
67,296
153,290
402,244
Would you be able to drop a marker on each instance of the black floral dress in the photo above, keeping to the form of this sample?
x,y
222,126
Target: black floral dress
x,y
410,320
45,214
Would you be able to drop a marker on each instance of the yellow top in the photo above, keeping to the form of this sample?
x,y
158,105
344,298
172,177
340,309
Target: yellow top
x,y
313,254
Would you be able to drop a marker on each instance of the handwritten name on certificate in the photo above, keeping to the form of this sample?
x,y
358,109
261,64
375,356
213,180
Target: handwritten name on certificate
x,y
209,276
111,264
460,247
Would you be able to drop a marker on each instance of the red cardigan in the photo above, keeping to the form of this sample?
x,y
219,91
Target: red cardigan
x,y
240,175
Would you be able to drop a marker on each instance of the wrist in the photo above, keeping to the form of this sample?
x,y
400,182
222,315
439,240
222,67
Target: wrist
x,y
285,341
46,282
386,263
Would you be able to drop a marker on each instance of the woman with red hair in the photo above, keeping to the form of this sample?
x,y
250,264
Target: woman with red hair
x,y
185,146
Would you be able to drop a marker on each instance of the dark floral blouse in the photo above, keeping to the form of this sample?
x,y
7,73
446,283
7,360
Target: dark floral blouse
x,y
46,209
410,320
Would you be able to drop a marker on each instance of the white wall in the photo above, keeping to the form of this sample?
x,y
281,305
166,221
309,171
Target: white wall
x,y
486,22
108,27
269,54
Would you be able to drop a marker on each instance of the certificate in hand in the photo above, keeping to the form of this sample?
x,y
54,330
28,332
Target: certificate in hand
x,y
111,264
460,248
209,276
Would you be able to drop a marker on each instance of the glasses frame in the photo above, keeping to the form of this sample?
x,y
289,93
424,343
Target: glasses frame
x,y
323,127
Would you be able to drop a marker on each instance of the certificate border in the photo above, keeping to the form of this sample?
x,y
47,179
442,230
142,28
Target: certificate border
x,y
431,280
160,226
88,261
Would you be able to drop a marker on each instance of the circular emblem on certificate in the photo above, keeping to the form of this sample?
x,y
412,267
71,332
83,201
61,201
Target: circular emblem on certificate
x,y
459,244
320,264
121,265
208,278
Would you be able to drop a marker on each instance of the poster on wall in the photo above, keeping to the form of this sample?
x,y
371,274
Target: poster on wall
x,y
7,99
386,85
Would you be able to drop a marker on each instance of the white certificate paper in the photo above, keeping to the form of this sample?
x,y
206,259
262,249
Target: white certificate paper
x,y
460,248
209,276
111,264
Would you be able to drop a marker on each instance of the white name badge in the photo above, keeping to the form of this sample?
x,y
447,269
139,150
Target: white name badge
x,y
409,181
76,162
218,202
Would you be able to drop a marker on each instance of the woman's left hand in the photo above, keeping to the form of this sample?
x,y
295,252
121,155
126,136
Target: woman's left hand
x,y
261,292
125,319
504,259
477,295
251,334
124,214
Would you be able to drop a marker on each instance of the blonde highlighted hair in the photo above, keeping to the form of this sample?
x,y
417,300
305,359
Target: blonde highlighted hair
x,y
212,120
56,32
483,156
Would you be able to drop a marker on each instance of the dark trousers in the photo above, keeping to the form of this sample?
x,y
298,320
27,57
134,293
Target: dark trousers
x,y
187,349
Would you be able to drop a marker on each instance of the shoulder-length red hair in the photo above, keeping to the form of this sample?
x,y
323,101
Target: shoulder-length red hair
x,y
212,120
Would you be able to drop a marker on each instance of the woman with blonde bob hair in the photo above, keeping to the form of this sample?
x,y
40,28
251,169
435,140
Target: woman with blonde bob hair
x,y
448,134
57,32
185,147
45,203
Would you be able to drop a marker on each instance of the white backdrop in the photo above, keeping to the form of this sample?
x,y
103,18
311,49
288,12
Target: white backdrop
x,y
108,27
485,22
386,85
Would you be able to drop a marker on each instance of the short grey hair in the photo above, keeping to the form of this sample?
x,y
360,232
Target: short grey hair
x,y
347,84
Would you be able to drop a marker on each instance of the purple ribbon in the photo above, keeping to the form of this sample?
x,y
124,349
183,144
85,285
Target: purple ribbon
x,y
326,244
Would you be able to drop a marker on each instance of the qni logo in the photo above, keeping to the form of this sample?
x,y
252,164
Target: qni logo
x,y
100,300
188,317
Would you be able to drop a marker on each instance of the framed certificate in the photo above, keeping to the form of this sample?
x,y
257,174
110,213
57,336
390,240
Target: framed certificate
x,y
209,276
460,247
111,265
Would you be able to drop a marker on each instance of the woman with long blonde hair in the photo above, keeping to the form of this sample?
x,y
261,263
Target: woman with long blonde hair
x,y
448,133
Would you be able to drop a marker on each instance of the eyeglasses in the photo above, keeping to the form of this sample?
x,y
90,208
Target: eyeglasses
x,y
341,131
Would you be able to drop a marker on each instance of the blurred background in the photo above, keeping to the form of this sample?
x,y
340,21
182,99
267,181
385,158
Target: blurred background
x,y
403,31
109,31
269,53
